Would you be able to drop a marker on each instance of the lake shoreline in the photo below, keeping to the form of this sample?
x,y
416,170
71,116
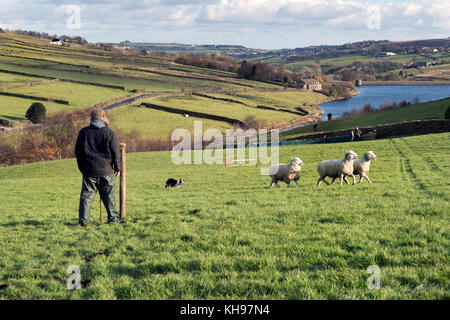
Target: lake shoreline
x,y
379,94
405,83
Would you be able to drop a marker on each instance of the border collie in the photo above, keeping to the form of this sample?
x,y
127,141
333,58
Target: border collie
x,y
172,183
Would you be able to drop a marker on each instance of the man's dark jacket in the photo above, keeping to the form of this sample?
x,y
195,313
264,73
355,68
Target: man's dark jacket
x,y
97,152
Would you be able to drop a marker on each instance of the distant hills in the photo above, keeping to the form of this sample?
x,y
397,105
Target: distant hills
x,y
177,48
370,47
382,60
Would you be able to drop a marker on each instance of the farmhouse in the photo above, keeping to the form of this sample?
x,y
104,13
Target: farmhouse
x,y
56,42
310,84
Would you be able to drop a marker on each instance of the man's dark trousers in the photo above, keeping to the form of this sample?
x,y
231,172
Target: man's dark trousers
x,y
105,187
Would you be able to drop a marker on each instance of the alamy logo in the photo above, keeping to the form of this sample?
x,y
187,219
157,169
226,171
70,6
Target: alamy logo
x,y
74,20
374,281
374,17
74,279
236,142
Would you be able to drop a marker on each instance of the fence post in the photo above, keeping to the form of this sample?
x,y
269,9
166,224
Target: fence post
x,y
123,182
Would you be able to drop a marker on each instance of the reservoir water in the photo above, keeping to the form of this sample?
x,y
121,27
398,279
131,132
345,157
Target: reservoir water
x,y
378,94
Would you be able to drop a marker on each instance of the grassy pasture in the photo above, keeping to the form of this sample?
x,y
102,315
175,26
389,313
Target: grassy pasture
x,y
14,109
68,59
129,83
224,234
286,99
156,123
222,108
8,80
78,95
129,79
420,111
334,62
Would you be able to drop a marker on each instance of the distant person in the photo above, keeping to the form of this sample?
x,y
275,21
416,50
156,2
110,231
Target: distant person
x,y
375,133
358,134
315,127
353,135
325,139
98,159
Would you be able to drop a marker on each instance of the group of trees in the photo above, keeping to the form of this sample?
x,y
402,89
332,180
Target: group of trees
x,y
370,70
45,35
338,90
210,61
75,39
257,71
262,71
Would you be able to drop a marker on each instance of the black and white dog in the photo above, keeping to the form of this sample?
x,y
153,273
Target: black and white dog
x,y
172,183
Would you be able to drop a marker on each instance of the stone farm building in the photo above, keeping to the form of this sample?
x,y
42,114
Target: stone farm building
x,y
310,84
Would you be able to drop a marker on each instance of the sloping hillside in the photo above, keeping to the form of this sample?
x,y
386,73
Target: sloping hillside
x,y
32,70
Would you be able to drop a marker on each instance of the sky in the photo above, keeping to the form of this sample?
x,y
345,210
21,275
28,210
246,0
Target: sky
x,y
264,24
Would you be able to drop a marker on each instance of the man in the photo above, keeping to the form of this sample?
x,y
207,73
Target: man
x,y
98,159
358,134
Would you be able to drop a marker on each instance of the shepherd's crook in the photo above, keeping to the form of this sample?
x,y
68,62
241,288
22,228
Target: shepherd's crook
x,y
100,208
123,182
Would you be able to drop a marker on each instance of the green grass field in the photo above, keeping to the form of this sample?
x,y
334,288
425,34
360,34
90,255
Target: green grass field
x,y
35,57
14,109
224,234
78,95
8,80
156,123
420,111
334,62
106,67
286,99
222,108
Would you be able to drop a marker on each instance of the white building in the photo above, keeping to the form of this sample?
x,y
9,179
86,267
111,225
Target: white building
x,y
56,42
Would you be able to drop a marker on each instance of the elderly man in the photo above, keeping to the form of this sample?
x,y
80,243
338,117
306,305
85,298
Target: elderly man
x,y
98,159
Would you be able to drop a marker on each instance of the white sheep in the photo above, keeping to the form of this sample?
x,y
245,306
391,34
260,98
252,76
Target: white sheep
x,y
337,168
362,166
286,172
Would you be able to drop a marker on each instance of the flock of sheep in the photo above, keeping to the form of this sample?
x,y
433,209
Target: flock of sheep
x,y
349,166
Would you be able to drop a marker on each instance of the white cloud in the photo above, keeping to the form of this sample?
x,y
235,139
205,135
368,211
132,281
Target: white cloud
x,y
339,13
208,21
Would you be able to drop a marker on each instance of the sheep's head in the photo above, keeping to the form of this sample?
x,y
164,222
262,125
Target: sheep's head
x,y
370,155
351,155
296,161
